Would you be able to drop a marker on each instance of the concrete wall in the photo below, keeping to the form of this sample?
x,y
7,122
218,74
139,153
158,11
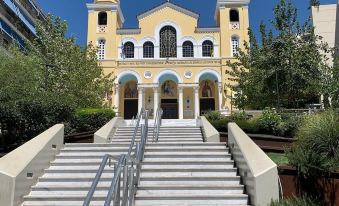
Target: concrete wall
x,y
258,171
209,132
106,133
21,168
324,20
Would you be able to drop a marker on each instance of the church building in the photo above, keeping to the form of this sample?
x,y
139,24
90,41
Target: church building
x,y
168,61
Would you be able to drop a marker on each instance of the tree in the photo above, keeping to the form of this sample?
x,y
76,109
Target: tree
x,y
44,84
284,69
20,76
314,3
70,70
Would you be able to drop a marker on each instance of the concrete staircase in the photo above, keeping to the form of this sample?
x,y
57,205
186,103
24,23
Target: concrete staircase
x,y
178,170
182,170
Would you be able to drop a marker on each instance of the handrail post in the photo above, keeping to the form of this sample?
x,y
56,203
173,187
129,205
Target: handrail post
x,y
125,184
131,187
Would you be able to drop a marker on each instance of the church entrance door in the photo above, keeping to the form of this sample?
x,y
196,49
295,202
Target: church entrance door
x,y
170,108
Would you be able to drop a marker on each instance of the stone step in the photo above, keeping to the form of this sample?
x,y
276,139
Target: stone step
x,y
60,203
54,183
101,203
91,145
188,174
184,200
77,169
187,167
188,153
192,159
200,180
89,155
197,144
71,161
188,140
184,156
186,190
177,150
88,149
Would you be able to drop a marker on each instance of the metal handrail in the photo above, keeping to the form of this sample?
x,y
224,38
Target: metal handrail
x,y
97,178
125,166
157,124
135,131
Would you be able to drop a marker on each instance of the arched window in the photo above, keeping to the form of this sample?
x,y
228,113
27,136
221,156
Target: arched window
x,y
187,49
207,48
148,50
168,42
101,49
235,45
128,50
234,15
102,18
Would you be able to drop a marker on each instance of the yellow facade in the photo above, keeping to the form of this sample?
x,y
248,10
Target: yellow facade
x,y
184,61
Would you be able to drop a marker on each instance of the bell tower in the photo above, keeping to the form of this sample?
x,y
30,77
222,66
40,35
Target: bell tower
x,y
233,19
104,18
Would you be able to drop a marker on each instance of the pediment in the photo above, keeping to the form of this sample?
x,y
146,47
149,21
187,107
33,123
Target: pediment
x,y
168,5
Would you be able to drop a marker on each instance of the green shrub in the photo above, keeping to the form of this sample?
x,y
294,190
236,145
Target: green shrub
x,y
247,126
292,122
213,115
221,125
90,119
316,152
269,122
26,119
296,202
239,116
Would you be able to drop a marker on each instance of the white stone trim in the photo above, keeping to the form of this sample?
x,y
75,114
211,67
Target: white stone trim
x,y
157,37
231,45
128,72
125,40
208,71
140,48
167,71
215,45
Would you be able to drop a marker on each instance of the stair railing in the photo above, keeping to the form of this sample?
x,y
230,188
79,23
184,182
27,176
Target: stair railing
x,y
157,124
128,166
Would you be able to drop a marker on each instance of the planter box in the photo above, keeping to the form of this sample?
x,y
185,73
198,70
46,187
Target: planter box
x,y
329,187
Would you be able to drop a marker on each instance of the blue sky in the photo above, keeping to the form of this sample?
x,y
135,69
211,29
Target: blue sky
x,y
75,12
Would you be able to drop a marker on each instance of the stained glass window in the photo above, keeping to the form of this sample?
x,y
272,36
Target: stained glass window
x,y
168,42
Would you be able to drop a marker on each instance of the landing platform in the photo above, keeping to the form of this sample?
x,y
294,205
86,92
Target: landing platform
x,y
169,122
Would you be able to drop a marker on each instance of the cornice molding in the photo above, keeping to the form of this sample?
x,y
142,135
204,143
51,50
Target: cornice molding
x,y
107,7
